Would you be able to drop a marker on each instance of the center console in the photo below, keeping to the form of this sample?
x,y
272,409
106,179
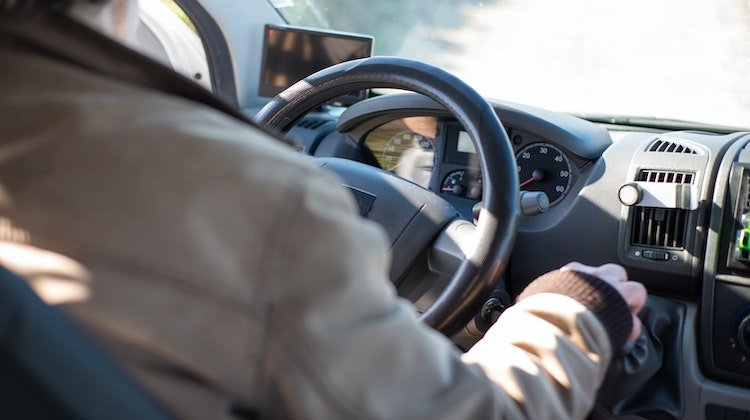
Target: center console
x,y
726,288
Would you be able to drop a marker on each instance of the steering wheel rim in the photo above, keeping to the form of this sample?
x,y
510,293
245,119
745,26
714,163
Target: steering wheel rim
x,y
478,274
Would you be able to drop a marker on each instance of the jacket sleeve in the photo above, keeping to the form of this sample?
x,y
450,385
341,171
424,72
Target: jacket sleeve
x,y
341,344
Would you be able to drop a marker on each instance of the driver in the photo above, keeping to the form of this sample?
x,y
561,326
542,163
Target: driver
x,y
231,276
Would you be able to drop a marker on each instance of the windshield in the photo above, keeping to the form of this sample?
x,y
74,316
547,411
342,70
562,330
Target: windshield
x,y
675,59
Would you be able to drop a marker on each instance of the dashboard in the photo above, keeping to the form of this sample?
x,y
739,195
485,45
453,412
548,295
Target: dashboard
x,y
672,207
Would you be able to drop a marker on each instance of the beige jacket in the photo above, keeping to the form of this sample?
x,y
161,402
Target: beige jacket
x,y
222,269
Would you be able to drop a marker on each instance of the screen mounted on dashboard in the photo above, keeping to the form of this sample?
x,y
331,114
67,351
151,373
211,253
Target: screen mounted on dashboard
x,y
465,145
459,148
290,54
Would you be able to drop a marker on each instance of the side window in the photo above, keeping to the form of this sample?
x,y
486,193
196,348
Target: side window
x,y
167,35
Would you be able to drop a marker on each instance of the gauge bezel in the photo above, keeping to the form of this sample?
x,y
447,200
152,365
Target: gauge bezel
x,y
566,161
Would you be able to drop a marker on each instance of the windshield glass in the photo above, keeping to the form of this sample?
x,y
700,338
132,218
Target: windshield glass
x,y
674,59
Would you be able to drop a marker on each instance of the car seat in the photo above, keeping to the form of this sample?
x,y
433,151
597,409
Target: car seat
x,y
51,369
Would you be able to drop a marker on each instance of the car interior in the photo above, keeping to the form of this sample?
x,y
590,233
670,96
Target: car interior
x,y
466,200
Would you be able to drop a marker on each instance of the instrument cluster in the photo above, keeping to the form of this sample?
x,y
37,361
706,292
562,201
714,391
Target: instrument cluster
x,y
438,154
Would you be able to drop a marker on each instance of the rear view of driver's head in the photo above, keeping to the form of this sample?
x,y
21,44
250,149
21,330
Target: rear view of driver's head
x,y
115,18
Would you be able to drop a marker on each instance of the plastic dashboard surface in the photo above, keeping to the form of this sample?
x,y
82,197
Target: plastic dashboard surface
x,y
581,169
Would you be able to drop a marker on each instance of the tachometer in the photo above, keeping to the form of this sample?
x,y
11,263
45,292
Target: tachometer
x,y
404,143
544,167
405,147
411,156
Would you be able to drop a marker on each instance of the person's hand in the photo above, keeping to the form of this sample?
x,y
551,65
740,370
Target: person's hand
x,y
633,292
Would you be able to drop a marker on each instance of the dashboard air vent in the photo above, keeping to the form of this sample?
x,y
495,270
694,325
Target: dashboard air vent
x,y
660,227
311,123
669,177
670,146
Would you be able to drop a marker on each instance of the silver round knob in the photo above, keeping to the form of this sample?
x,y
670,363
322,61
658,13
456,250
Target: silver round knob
x,y
630,194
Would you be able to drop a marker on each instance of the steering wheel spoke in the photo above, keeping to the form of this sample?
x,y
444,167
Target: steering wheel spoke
x,y
453,245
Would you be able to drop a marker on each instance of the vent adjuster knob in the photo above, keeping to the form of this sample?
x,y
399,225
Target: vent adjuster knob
x,y
630,194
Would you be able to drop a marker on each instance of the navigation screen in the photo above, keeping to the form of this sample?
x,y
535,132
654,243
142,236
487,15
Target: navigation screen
x,y
291,54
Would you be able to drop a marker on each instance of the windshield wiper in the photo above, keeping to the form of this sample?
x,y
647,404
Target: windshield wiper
x,y
658,123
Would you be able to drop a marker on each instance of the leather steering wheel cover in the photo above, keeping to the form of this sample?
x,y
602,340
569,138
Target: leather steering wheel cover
x,y
478,274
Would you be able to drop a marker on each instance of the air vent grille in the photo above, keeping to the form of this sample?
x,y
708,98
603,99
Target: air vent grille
x,y
659,227
670,146
311,123
669,177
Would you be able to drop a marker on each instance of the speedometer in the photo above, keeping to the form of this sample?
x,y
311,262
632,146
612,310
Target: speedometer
x,y
544,167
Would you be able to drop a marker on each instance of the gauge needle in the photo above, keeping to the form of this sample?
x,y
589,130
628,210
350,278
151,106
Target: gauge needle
x,y
527,182
537,176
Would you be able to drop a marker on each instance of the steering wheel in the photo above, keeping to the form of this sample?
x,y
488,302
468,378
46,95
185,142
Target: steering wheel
x,y
430,220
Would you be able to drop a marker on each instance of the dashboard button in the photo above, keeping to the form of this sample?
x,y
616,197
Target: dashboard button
x,y
655,255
